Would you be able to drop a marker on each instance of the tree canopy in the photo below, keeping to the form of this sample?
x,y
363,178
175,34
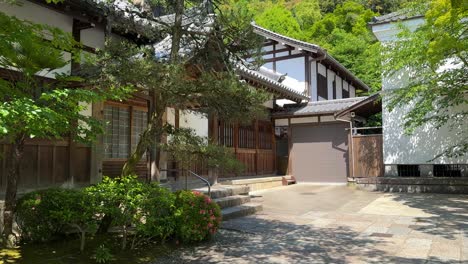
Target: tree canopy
x,y
435,56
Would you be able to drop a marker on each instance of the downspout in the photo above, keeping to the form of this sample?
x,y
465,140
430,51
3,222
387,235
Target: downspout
x,y
352,145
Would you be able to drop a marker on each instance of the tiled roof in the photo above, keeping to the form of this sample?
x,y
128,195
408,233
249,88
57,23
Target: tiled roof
x,y
310,48
393,17
319,107
275,86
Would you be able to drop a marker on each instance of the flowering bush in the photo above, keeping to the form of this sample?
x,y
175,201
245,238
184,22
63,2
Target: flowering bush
x,y
198,217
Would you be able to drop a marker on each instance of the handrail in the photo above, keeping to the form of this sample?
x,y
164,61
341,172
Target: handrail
x,y
193,174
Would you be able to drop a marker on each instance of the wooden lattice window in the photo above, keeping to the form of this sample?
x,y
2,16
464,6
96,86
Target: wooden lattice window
x,y
225,134
265,131
246,136
124,124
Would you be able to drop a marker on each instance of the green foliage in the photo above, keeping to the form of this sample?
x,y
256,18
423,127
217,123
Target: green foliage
x,y
32,107
45,214
33,215
307,12
341,28
120,199
155,217
187,148
279,19
198,217
215,91
103,254
434,58
148,208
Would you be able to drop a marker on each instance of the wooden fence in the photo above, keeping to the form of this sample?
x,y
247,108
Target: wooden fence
x,y
252,144
367,155
48,163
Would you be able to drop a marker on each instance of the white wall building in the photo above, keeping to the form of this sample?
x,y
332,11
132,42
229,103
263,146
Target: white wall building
x,y
412,154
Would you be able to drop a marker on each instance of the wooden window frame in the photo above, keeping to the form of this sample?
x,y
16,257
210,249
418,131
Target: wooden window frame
x,y
130,107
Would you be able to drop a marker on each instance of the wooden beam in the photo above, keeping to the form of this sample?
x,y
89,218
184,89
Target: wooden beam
x,y
285,57
276,51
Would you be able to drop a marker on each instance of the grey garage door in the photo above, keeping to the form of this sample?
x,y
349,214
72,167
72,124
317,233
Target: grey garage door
x,y
319,153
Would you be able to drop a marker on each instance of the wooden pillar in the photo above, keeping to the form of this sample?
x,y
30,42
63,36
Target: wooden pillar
x,y
290,171
273,147
256,146
213,133
97,150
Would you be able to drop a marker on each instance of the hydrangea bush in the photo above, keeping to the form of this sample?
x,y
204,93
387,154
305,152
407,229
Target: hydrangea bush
x,y
198,216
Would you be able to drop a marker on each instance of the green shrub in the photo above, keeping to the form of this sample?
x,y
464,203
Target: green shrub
x,y
103,254
155,217
42,215
198,217
119,199
148,208
33,214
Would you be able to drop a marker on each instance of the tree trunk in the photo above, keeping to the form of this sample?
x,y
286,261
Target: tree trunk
x,y
11,189
177,30
149,137
83,240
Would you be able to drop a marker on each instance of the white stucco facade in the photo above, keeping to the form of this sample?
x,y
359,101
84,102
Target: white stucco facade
x,y
427,141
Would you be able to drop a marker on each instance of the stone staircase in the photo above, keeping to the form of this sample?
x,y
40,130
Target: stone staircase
x,y
233,200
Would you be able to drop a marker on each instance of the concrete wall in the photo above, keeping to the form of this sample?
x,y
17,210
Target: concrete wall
x,y
427,141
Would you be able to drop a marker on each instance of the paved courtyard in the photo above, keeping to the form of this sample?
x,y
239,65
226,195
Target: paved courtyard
x,y
337,224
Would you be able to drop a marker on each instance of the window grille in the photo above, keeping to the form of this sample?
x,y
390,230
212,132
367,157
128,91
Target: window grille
x,y
408,171
447,170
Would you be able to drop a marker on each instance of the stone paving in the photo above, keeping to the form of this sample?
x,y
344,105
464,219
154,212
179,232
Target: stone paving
x,y
337,224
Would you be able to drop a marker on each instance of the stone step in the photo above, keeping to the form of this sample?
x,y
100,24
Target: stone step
x,y
224,191
241,210
288,180
231,201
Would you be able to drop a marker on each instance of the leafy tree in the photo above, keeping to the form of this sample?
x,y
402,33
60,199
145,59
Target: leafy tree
x,y
35,107
307,13
204,76
280,20
435,55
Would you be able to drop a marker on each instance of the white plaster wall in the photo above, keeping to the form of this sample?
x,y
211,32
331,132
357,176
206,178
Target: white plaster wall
x,y
339,87
420,147
427,141
330,78
313,78
35,13
388,32
93,37
352,91
345,86
196,121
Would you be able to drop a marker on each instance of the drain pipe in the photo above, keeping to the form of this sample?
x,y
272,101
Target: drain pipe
x,y
352,145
